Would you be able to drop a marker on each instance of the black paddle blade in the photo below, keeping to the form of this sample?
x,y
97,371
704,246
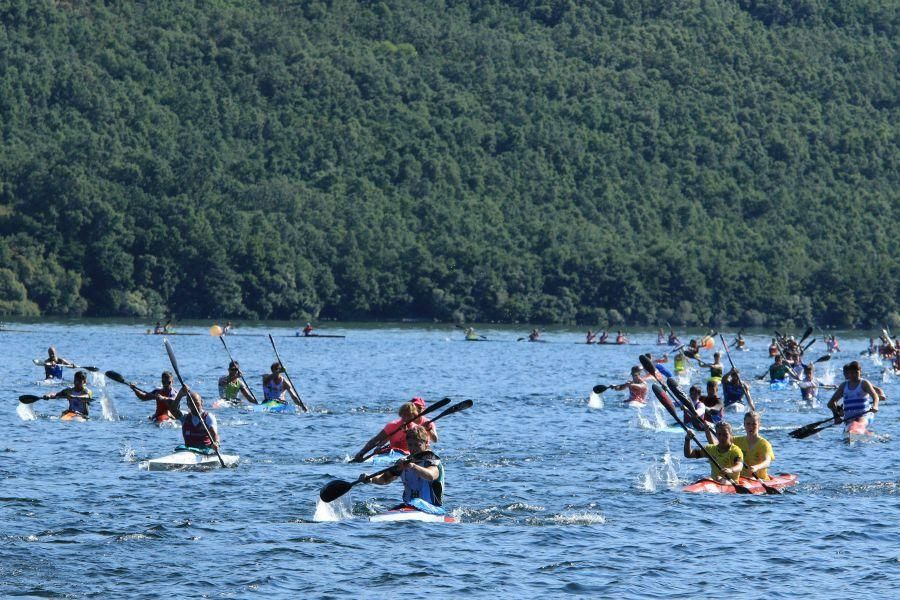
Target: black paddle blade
x,y
825,358
334,490
439,404
91,369
599,389
454,409
115,377
805,431
29,399
806,334
647,364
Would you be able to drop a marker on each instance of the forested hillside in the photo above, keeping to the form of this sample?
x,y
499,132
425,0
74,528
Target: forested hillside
x,y
598,161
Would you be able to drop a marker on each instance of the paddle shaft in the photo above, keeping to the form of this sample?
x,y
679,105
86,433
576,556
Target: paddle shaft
x,y
240,374
299,400
172,359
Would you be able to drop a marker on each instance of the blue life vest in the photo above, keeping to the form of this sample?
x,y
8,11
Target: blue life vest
x,y
732,393
856,400
274,391
414,486
79,401
53,371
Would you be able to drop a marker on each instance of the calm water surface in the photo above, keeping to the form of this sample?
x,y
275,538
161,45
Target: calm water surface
x,y
555,498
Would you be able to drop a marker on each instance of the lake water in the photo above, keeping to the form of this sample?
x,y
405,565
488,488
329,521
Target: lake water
x,y
554,498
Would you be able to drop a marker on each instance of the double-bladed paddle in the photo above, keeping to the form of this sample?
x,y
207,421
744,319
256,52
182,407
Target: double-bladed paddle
x,y
42,363
215,445
29,398
240,374
298,401
333,490
813,428
119,379
670,408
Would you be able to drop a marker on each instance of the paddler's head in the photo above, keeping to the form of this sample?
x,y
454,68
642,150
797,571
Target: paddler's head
x,y
712,390
408,411
717,357
276,368
723,432
195,403
636,373
167,379
751,423
51,353
694,392
417,439
419,402
853,371
234,369
80,379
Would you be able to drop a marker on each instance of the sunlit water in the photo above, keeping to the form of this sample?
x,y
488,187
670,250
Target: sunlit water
x,y
555,494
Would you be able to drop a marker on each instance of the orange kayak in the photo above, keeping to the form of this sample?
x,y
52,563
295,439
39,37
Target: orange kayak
x,y
72,416
708,486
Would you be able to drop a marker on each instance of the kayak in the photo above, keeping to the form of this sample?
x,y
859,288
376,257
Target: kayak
x,y
271,406
635,404
779,384
386,458
736,407
708,486
408,513
857,430
187,460
72,416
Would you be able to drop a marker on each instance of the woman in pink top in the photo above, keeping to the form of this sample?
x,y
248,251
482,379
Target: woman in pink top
x,y
395,431
637,389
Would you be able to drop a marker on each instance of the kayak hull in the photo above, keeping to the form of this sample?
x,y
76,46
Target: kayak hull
x,y
408,513
779,384
190,461
71,416
271,406
708,486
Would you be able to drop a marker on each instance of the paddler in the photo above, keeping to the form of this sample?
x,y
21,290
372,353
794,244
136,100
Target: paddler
x,y
716,368
673,339
228,328
832,344
307,330
471,336
589,338
534,335
166,407
779,371
712,403
739,342
231,385
854,397
394,432
79,396
757,451
679,362
275,385
637,388
192,430
421,472
724,451
660,337
620,338
774,350
603,337
53,364
692,349
734,390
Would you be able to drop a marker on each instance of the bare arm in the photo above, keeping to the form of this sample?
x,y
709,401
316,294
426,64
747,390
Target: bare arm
x,y
379,439
689,451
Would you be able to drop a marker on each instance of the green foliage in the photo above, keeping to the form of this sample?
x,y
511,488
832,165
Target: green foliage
x,y
604,162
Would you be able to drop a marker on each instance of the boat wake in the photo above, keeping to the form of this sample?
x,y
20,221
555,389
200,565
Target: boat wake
x,y
25,412
663,472
329,512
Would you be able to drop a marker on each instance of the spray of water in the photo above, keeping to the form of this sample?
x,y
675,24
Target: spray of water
x,y
338,510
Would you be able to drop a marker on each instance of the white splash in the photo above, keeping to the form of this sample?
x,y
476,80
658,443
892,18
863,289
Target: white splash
x,y
595,401
25,412
338,510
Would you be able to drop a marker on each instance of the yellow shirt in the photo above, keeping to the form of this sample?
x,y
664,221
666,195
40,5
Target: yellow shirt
x,y
726,458
755,455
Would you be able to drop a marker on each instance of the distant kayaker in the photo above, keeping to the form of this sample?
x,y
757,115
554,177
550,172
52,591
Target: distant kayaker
x,y
421,472
739,342
603,337
734,390
228,328
471,336
716,368
275,385
158,329
679,363
307,330
712,403
230,385
832,344
79,396
620,338
394,433
589,338
637,388
756,450
192,424
53,364
773,348
779,371
809,386
166,407
660,337
673,339
692,349
724,451
534,335
854,397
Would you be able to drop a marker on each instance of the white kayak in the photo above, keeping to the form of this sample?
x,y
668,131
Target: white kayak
x,y
408,513
185,460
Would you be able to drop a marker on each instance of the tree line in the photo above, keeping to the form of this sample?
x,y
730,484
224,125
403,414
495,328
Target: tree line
x,y
601,162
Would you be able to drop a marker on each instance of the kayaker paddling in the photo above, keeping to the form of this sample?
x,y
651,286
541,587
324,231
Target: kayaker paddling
x,y
535,335
166,406
275,386
724,452
757,451
637,388
231,385
394,433
53,364
734,390
195,435
79,397
307,330
421,472
854,399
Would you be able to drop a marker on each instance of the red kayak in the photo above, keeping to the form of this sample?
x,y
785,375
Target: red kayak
x,y
708,486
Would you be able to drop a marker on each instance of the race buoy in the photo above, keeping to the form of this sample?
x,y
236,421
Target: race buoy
x,y
215,331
